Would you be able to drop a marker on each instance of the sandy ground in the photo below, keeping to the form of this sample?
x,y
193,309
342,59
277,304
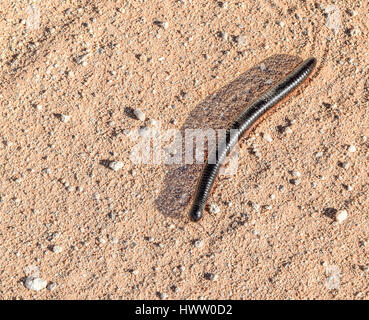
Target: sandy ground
x,y
69,82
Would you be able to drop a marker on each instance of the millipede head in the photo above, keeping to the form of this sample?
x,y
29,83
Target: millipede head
x,y
196,213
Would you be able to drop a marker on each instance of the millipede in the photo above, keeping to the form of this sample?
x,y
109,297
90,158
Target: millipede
x,y
246,121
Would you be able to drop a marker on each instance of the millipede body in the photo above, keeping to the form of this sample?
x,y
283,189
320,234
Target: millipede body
x,y
241,124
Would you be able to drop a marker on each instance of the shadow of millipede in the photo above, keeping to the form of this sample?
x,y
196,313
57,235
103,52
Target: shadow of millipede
x,y
216,111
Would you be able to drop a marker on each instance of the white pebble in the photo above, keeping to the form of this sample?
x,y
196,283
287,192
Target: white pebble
x,y
139,114
57,249
352,148
296,173
267,137
51,286
116,165
153,122
34,283
214,209
198,243
341,216
64,118
319,154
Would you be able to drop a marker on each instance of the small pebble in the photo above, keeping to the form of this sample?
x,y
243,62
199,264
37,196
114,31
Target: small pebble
x,y
64,118
267,137
214,209
162,296
153,122
341,216
241,40
139,114
319,154
34,283
296,173
355,32
352,148
162,24
345,165
211,276
198,243
296,181
57,249
51,286
116,165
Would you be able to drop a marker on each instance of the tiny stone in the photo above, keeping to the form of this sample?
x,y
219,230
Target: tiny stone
x,y
57,249
214,209
255,206
34,283
341,216
153,122
51,286
198,243
139,114
211,276
296,181
355,32
296,173
162,296
64,118
345,165
352,148
116,165
319,154
162,24
241,40
223,5
267,137
175,289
